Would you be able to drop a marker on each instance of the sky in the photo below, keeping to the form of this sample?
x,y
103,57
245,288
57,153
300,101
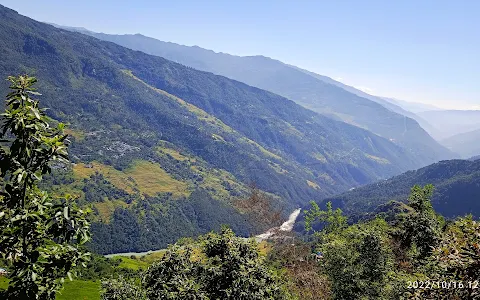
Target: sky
x,y
419,51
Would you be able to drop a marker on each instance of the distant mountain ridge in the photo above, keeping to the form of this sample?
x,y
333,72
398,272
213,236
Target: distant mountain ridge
x,y
412,106
457,190
467,144
387,104
390,104
310,91
452,122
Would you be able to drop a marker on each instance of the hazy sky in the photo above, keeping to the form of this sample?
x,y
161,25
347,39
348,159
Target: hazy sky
x,y
423,51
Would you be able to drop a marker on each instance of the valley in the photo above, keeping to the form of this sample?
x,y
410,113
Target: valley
x,y
136,110
137,168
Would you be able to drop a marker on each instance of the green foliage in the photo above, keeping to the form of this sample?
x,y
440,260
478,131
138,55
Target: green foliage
x,y
121,289
456,190
398,257
421,227
80,290
456,258
167,220
175,276
319,93
38,236
357,260
332,220
218,266
459,249
419,200
98,267
235,270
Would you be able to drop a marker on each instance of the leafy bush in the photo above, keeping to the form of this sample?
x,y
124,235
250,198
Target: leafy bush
x,y
219,266
39,236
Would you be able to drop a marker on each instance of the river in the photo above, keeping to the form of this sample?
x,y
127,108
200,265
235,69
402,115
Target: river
x,y
287,226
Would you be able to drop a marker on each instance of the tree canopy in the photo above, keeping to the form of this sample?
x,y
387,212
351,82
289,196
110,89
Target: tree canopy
x,y
39,236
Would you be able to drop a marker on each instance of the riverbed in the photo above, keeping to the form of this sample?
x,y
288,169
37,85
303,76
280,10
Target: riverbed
x,y
287,226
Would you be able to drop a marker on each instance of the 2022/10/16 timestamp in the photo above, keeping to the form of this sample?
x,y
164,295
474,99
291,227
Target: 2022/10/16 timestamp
x,y
443,284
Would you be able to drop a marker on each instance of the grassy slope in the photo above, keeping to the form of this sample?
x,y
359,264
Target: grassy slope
x,y
80,290
73,290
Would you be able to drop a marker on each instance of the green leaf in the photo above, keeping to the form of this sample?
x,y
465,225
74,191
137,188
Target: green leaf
x,y
20,176
35,112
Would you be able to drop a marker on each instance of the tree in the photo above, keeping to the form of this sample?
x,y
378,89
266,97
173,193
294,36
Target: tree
x,y
300,268
175,276
455,259
260,208
121,289
218,266
421,227
235,269
358,260
331,220
39,237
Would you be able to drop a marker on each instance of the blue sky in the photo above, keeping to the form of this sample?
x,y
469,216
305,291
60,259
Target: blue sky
x,y
423,51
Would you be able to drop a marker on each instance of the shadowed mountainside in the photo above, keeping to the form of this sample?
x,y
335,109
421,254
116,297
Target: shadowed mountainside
x,y
317,93
457,189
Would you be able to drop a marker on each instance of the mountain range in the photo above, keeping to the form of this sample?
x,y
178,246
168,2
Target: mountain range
x,y
397,106
467,144
448,123
161,150
318,93
456,182
413,107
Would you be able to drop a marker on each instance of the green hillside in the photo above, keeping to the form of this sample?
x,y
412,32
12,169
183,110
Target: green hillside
x,y
457,190
318,93
162,151
388,103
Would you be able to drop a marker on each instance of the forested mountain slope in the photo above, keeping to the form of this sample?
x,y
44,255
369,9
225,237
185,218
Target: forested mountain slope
x,y
457,189
163,151
310,91
385,102
391,106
